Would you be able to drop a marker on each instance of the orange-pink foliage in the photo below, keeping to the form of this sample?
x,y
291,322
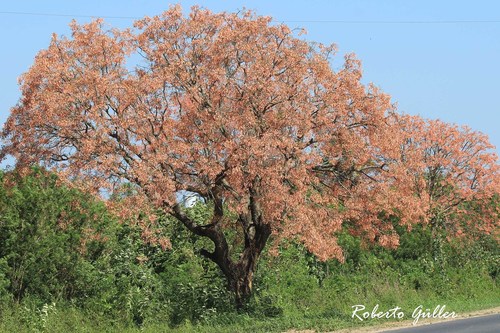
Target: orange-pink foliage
x,y
234,100
455,166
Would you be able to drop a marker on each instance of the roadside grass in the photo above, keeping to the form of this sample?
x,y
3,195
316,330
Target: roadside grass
x,y
303,304
118,283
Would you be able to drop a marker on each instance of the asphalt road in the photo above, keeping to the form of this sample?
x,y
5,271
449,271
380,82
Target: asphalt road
x,y
483,324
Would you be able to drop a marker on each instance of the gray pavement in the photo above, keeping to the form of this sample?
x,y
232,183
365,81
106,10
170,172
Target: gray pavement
x,y
483,324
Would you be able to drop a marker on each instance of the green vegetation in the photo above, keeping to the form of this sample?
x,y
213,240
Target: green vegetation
x,y
67,265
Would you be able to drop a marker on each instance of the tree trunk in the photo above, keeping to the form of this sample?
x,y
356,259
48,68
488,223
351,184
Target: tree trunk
x,y
239,274
241,286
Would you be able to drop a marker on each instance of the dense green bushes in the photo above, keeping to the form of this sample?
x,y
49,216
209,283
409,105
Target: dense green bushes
x,y
46,241
67,265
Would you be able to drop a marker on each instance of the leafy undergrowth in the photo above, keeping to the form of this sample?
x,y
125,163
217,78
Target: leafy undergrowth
x,y
97,275
292,291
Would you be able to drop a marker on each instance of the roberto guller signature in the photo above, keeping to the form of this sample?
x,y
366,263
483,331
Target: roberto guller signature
x,y
360,312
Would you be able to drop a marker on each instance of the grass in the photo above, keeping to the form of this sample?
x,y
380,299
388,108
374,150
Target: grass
x,y
321,308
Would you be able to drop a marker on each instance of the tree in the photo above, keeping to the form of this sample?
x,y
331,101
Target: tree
x,y
49,235
457,173
230,107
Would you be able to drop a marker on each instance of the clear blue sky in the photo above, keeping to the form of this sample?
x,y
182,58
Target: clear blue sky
x,y
448,70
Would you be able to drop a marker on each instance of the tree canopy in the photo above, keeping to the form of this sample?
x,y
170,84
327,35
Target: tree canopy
x,y
457,167
245,114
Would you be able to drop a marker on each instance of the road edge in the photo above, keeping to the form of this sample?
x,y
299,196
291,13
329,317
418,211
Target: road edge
x,y
390,326
395,325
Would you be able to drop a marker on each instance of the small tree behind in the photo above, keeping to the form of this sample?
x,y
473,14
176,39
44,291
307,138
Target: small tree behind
x,y
458,176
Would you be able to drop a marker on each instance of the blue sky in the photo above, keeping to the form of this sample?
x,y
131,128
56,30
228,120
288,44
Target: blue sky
x,y
438,59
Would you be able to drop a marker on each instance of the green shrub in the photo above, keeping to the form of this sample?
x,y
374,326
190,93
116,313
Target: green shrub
x,y
66,265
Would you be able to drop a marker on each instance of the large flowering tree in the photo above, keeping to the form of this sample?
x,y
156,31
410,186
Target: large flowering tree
x,y
233,108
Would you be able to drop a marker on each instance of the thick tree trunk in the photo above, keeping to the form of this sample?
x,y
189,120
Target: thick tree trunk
x,y
242,281
239,274
241,286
